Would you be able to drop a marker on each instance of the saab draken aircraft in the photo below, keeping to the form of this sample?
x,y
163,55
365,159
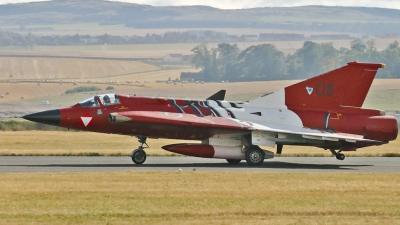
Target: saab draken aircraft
x,y
323,111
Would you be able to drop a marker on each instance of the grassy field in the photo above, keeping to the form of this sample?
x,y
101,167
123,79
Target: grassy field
x,y
54,92
87,143
160,50
111,51
383,99
199,198
61,69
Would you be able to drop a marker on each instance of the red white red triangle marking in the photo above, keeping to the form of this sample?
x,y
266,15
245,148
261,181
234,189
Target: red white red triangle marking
x,y
86,120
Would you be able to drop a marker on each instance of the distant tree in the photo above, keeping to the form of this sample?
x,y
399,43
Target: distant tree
x,y
171,37
205,59
391,57
228,55
309,59
312,59
5,39
358,45
393,45
371,45
262,62
362,53
105,38
75,39
208,34
185,37
329,60
30,39
293,66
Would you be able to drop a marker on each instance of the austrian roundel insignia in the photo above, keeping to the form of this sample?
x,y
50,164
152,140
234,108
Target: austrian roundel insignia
x,y
309,90
86,120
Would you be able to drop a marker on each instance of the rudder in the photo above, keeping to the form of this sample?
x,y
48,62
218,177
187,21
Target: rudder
x,y
346,86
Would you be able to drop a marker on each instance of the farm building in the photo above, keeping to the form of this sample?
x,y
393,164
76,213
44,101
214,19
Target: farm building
x,y
173,58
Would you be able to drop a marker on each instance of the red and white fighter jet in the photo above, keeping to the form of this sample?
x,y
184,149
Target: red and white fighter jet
x,y
324,111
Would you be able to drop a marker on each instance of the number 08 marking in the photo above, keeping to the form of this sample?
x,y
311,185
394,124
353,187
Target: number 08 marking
x,y
328,89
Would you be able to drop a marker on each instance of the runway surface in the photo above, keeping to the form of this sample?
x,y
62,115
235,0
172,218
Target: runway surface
x,y
27,164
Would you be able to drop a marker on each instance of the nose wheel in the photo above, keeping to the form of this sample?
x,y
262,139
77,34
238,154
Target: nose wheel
x,y
139,155
338,155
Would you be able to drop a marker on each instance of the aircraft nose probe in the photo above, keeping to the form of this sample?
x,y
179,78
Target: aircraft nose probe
x,y
50,117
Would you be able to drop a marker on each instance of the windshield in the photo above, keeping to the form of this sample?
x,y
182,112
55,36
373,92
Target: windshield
x,y
105,99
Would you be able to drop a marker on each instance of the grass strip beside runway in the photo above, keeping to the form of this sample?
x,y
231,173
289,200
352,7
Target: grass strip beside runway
x,y
199,198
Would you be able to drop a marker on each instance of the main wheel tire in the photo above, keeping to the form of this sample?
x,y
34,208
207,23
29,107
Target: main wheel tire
x,y
255,156
138,156
233,161
340,156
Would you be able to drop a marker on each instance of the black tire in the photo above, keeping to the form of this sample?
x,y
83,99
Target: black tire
x,y
340,156
138,156
255,156
233,161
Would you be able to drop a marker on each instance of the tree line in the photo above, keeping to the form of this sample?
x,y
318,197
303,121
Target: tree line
x,y
265,62
29,39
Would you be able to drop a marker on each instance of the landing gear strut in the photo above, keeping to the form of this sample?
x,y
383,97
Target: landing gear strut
x,y
139,155
338,154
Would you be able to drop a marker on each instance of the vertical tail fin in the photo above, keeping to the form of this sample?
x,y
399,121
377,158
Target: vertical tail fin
x,y
346,86
220,95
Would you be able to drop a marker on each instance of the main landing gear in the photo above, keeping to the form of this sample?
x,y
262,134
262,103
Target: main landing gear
x,y
139,155
338,154
254,155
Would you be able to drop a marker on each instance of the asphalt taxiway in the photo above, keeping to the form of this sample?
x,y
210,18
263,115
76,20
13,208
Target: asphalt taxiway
x,y
53,164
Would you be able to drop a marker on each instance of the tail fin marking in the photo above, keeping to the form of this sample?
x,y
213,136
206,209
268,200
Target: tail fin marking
x,y
346,86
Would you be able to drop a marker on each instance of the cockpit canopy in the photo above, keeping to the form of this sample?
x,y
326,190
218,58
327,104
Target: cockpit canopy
x,y
104,99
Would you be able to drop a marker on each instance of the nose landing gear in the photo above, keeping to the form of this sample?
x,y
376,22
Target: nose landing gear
x,y
139,155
